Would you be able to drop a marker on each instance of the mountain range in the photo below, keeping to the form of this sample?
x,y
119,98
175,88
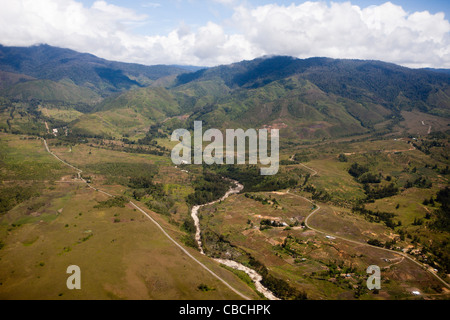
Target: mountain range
x,y
305,98
102,77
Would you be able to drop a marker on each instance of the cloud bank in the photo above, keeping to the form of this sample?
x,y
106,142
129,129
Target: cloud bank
x,y
340,30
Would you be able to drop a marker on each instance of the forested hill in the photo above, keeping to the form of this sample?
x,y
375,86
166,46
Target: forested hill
x,y
316,97
363,80
304,98
45,62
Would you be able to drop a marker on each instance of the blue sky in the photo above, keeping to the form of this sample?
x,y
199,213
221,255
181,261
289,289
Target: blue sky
x,y
163,16
412,33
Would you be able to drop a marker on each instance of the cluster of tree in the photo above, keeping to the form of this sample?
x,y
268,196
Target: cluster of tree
x,y
33,109
207,188
375,242
318,194
159,201
263,200
279,287
443,213
5,104
361,173
80,133
141,182
205,288
301,157
216,245
376,216
253,181
12,196
439,255
157,151
161,206
338,267
122,172
154,132
113,202
380,192
356,170
267,223
417,222
426,145
420,182
342,158
369,177
285,162
188,238
445,170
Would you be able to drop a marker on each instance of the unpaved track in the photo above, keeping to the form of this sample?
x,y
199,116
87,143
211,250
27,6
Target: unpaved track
x,y
423,267
256,278
215,275
79,171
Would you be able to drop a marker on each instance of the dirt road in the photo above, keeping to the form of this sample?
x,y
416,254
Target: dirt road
x,y
79,171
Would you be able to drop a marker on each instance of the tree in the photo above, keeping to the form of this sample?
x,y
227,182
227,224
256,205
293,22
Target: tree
x,y
342,158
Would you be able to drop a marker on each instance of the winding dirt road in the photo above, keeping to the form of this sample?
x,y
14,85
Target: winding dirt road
x,y
79,172
423,267
314,172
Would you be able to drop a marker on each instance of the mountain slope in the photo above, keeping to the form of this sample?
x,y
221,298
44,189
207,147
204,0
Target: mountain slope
x,y
130,113
64,90
374,81
102,76
306,98
8,79
315,97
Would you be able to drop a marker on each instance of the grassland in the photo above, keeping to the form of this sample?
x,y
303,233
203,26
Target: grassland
x,y
325,268
122,255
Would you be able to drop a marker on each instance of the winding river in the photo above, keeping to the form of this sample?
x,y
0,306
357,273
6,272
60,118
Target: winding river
x,y
256,277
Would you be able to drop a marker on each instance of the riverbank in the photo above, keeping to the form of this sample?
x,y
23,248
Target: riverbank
x,y
254,276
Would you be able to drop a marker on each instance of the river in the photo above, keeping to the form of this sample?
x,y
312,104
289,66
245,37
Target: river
x,y
256,277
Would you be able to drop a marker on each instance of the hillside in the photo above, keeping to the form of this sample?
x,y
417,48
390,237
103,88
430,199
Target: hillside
x,y
128,114
315,97
100,75
312,98
8,79
375,81
307,99
47,90
363,177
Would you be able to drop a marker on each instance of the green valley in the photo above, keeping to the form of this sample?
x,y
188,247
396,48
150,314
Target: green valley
x,y
363,180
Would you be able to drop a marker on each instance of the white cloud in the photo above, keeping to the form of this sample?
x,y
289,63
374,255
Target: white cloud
x,y
340,30
151,5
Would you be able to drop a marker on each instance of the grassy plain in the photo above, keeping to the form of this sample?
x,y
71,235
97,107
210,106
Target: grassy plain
x,y
121,253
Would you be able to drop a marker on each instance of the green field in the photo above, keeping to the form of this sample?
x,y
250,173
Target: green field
x,y
123,255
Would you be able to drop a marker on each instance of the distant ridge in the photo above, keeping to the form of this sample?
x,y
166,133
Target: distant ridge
x,y
305,98
102,76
